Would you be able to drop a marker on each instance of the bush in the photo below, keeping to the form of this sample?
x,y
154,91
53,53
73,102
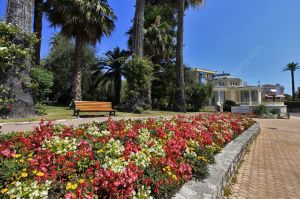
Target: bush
x,y
228,104
41,83
138,74
197,96
275,111
260,110
15,46
40,109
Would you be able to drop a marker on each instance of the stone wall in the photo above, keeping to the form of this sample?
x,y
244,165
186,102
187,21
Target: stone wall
x,y
222,171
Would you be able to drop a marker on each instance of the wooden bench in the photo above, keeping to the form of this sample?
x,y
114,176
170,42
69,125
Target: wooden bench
x,y
93,106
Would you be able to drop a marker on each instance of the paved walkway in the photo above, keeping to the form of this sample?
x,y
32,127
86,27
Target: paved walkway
x,y
271,169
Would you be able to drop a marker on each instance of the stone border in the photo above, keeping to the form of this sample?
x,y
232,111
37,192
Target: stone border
x,y
222,171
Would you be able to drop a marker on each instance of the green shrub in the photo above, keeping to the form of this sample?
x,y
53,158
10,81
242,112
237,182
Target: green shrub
x,y
275,111
41,83
228,104
40,109
260,110
15,46
163,104
138,74
197,96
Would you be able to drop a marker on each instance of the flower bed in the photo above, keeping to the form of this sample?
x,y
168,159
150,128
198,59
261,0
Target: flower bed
x,y
115,159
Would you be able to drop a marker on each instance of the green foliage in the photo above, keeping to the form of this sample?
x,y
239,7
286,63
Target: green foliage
x,y
228,104
293,104
197,96
139,74
15,46
80,19
275,111
41,83
260,110
110,72
40,109
60,61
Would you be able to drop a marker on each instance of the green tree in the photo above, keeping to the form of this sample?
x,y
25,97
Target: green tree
x,y
60,61
87,20
159,43
180,104
138,74
292,67
112,65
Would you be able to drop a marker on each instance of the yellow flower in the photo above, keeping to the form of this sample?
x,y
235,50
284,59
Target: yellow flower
x,y
169,173
174,177
24,174
3,191
100,151
69,185
40,174
81,181
17,155
29,159
74,186
22,160
34,171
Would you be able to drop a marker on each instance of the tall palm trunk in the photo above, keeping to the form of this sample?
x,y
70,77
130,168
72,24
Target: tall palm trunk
x,y
77,68
138,33
117,85
138,42
293,85
20,13
180,94
37,28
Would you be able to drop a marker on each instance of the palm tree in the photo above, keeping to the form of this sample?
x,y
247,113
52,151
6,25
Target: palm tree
x,y
87,21
180,104
112,66
292,67
19,13
159,41
138,29
37,29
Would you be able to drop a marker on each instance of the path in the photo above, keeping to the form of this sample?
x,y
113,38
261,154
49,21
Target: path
x,y
271,169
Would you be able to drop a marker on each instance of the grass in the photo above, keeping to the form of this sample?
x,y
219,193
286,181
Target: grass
x,y
63,112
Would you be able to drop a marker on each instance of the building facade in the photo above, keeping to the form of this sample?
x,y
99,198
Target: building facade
x,y
273,92
227,87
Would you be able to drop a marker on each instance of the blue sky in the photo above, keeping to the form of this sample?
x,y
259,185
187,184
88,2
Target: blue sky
x,y
250,39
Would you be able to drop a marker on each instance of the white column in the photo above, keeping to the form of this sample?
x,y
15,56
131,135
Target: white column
x,y
219,97
250,98
259,96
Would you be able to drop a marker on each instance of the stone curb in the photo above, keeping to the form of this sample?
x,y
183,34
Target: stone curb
x,y
222,171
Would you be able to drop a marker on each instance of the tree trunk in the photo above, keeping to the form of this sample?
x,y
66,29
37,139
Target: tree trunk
x,y
180,95
20,13
77,68
293,85
117,85
37,28
138,29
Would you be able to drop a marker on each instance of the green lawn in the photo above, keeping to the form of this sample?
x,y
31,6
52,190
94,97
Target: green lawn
x,y
62,112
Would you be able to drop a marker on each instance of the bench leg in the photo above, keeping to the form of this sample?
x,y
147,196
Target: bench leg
x,y
112,113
